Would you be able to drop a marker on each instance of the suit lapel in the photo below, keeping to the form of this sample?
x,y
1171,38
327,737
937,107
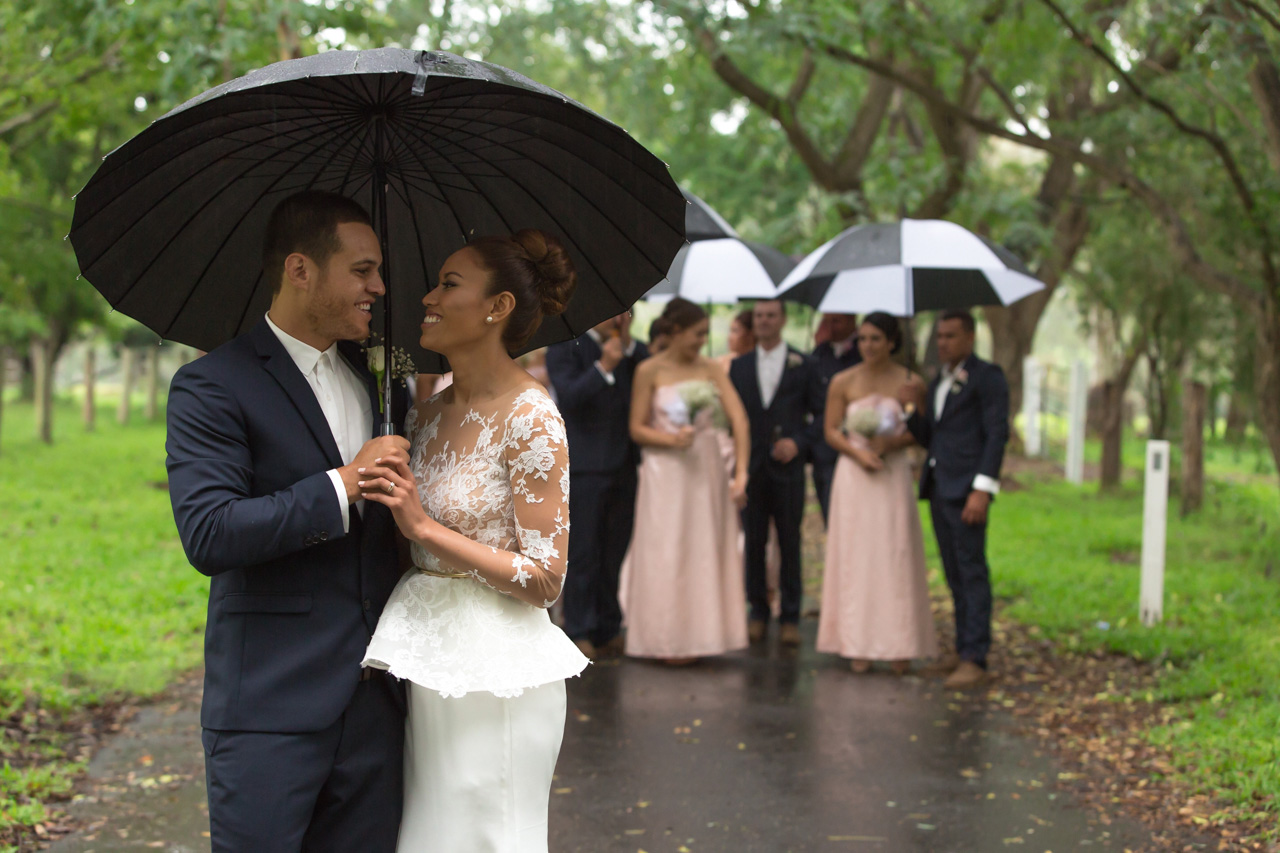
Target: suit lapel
x,y
280,365
752,397
954,394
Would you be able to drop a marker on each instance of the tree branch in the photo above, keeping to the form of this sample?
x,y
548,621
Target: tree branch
x,y
1175,226
107,60
1215,141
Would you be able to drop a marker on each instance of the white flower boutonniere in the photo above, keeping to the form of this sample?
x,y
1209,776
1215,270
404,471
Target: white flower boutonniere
x,y
794,359
958,379
402,366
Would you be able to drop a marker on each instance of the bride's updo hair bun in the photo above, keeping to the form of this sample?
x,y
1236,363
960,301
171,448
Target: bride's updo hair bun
x,y
533,267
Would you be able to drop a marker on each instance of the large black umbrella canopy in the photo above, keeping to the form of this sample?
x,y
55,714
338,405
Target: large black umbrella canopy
x,y
440,149
907,267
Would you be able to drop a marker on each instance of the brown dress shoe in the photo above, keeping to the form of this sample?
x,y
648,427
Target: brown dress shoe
x,y
944,665
612,649
756,629
789,635
587,648
967,676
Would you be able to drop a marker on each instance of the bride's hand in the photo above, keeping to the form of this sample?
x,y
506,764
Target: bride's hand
x,y
391,483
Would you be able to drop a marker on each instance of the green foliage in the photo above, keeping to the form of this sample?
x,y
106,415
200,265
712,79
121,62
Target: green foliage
x,y
96,595
1065,559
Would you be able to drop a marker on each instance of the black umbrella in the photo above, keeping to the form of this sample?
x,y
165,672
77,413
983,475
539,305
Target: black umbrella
x,y
437,147
701,222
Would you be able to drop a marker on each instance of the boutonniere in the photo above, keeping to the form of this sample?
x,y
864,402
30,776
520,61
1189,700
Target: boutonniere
x,y
794,359
402,366
958,379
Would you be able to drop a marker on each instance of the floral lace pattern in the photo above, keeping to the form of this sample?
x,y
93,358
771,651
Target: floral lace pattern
x,y
500,478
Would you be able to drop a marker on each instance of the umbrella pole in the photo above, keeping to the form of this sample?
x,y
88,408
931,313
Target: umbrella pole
x,y
379,216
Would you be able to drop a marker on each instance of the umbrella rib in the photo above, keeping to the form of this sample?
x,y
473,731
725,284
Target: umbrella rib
x,y
626,235
201,171
156,256
213,256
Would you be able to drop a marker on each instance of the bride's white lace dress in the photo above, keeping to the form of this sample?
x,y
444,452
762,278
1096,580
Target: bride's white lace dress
x,y
486,670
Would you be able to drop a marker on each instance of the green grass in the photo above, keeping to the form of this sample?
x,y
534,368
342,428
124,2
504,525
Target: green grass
x,y
1065,559
97,599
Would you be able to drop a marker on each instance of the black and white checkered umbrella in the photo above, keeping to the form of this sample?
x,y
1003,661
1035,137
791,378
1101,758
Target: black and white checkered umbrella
x,y
907,267
722,272
701,222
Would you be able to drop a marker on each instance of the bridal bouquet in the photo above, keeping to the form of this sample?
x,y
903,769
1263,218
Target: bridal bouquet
x,y
864,422
697,396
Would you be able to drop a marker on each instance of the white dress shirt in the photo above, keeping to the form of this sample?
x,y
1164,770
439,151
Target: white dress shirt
x,y
981,482
343,399
628,352
769,367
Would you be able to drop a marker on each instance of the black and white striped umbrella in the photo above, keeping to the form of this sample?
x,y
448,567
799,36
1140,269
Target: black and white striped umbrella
x,y
907,267
701,222
722,272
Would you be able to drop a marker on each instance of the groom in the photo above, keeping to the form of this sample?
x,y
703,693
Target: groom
x,y
963,422
266,435
783,399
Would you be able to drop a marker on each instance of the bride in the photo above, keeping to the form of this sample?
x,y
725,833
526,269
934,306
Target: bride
x,y
484,504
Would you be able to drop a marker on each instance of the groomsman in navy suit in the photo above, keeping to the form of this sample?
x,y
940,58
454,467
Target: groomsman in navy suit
x,y
266,438
783,399
839,352
963,421
592,376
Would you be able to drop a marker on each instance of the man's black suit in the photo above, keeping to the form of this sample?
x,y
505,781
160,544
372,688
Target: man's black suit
x,y
300,752
823,456
776,490
602,482
965,440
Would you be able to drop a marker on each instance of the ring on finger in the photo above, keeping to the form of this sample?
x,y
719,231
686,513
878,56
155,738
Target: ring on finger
x,y
390,487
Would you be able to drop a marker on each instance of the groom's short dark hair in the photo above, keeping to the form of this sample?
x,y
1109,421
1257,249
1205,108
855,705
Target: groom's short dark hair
x,y
966,319
306,222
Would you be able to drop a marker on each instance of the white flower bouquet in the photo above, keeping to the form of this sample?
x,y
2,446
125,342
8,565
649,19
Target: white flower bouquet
x,y
865,422
697,396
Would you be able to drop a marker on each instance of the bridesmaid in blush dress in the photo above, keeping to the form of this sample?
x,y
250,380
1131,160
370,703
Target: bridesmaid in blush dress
x,y
682,586
875,588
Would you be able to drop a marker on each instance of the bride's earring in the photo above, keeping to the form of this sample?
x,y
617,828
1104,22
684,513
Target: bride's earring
x,y
488,319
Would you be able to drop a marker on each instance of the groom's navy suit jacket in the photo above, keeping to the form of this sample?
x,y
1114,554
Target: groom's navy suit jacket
x,y
968,436
293,600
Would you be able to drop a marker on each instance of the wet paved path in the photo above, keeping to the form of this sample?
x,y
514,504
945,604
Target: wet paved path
x,y
767,751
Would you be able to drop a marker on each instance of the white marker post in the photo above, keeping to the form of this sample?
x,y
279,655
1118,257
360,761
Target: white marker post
x,y
1077,411
1155,512
1031,382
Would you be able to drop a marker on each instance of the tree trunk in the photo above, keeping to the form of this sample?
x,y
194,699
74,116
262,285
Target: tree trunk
x,y
4,378
153,382
1194,403
1237,418
1013,331
90,404
1112,418
127,359
42,373
1267,375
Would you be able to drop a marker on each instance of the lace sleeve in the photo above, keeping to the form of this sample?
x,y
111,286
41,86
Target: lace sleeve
x,y
537,456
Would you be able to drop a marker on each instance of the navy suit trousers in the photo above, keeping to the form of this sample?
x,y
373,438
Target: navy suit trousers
x,y
963,549
779,497
338,789
603,508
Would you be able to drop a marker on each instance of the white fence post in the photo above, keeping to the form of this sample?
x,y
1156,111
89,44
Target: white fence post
x,y
1032,379
1077,410
1155,511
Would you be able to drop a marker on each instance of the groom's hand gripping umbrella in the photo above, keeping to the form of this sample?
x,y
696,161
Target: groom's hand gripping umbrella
x,y
438,148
